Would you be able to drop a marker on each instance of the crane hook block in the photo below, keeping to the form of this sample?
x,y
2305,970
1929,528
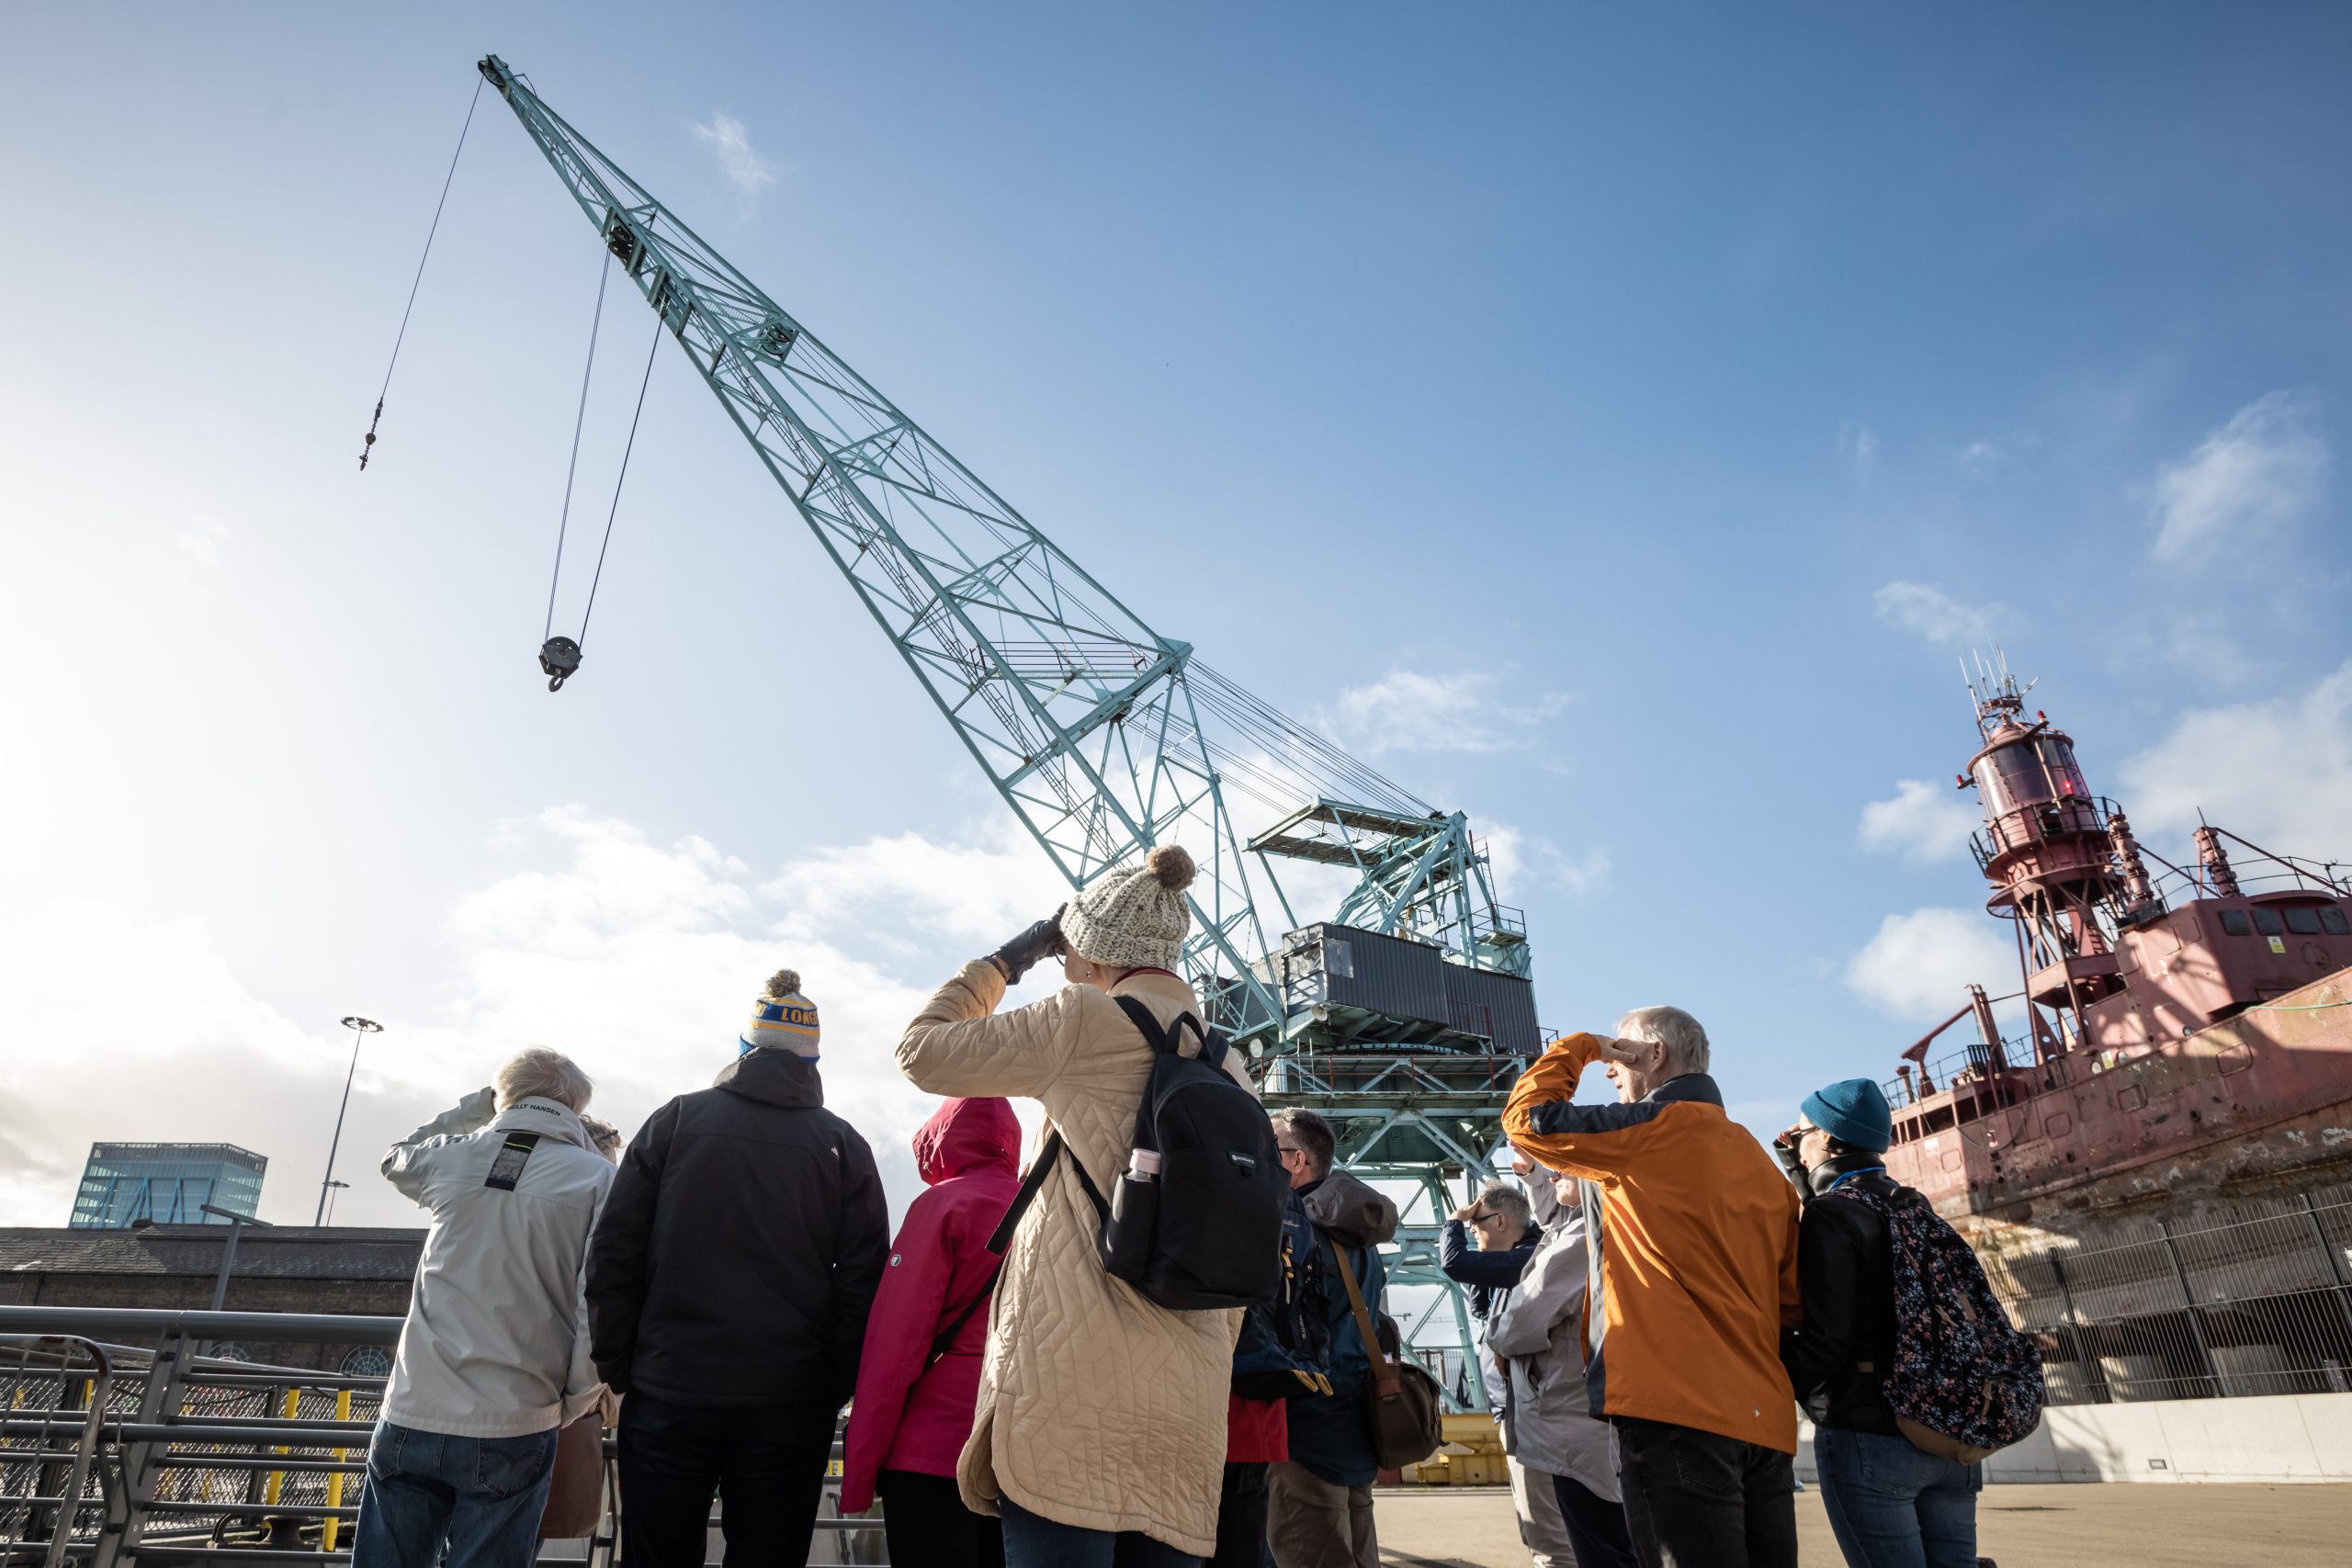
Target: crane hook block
x,y
559,657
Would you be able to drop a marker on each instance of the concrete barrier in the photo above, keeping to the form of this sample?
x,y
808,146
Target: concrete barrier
x,y
2275,1437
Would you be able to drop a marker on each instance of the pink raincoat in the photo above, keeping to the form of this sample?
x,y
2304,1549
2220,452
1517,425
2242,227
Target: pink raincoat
x,y
909,1416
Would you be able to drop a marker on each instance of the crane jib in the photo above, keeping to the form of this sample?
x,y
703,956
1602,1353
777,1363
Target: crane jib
x,y
1094,729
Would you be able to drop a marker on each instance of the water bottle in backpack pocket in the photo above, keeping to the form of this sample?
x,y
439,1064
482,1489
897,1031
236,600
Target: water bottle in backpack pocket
x,y
1133,1224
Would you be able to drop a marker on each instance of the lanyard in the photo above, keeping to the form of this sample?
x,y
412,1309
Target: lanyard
x,y
1850,1176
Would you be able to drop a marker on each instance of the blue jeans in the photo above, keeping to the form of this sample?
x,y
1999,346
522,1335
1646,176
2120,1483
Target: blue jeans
x,y
1034,1542
1893,1506
463,1502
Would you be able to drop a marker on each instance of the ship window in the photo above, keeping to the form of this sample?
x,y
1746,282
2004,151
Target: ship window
x,y
2234,923
2332,920
2267,922
2303,920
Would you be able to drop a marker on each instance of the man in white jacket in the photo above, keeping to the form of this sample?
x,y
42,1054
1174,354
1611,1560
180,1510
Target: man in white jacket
x,y
1536,1330
493,1359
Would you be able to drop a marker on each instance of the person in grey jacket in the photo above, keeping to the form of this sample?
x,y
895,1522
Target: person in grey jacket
x,y
1536,1328
493,1359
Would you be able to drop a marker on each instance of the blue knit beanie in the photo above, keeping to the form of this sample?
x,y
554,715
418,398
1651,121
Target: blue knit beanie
x,y
1855,1113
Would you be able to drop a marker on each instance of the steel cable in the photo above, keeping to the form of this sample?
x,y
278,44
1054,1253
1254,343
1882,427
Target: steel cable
x,y
418,282
620,480
604,274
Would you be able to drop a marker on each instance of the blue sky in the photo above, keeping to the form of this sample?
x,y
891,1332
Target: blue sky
x,y
1611,425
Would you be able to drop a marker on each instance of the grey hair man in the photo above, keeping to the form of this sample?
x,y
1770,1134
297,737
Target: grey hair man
x,y
493,1359
1508,1227
1693,1282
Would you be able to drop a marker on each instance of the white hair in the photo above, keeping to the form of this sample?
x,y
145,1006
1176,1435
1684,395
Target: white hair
x,y
1685,1041
543,1074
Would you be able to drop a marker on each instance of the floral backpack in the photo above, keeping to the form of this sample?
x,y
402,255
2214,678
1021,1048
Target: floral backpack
x,y
1965,1382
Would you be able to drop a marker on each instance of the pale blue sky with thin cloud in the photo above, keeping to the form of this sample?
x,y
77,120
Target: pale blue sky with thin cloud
x,y
1613,424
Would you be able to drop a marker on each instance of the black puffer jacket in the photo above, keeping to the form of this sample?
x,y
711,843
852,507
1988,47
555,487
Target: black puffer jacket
x,y
738,1252
1846,1273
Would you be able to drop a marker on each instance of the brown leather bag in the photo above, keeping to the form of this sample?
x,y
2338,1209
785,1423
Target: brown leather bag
x,y
576,1492
1403,1411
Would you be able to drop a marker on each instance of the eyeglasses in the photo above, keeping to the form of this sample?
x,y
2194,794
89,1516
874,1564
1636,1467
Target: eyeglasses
x,y
1286,1150
1483,1221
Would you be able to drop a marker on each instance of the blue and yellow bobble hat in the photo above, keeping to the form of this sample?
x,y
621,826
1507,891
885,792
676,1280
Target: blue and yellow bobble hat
x,y
782,1018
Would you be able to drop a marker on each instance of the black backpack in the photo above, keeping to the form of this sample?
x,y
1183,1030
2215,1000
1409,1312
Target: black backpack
x,y
1205,1232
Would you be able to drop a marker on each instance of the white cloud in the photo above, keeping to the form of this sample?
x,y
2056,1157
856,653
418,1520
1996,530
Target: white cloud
x,y
730,143
1860,444
2278,771
1521,858
1922,822
2261,470
639,959
201,540
1407,710
1932,614
1980,457
1919,966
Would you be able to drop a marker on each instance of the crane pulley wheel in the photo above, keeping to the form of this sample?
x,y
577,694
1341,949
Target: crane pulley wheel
x,y
560,658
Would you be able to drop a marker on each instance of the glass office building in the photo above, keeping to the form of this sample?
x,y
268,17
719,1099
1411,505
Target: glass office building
x,y
167,1183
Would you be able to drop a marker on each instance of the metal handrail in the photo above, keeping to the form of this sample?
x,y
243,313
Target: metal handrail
x,y
141,1485
150,1323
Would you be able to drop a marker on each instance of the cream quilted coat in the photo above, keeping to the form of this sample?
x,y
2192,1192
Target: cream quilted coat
x,y
1096,1408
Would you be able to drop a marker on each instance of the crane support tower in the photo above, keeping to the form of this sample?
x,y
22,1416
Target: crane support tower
x,y
1405,1018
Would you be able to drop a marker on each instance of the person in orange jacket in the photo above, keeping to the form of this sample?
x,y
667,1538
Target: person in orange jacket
x,y
1695,1281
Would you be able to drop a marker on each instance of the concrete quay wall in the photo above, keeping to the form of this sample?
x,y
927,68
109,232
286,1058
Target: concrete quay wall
x,y
2272,1438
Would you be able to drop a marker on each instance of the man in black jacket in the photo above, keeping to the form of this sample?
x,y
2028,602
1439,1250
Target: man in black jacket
x,y
729,1281
1888,1500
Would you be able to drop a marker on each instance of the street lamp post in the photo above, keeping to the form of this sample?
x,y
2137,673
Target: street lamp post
x,y
360,1028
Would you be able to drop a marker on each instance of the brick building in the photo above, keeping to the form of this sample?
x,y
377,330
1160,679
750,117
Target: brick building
x,y
334,1269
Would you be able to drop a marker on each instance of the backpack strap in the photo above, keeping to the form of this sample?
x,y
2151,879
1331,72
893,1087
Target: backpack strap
x,y
1169,1042
1033,1183
1384,1376
945,1339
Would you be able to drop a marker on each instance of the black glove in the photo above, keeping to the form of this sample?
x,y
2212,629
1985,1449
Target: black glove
x,y
1784,1150
1042,939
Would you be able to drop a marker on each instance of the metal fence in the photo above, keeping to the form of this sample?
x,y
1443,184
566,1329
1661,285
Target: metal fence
x,y
2254,1298
113,1454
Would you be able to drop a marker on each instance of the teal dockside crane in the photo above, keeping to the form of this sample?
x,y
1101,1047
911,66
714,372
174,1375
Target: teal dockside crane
x,y
1405,1017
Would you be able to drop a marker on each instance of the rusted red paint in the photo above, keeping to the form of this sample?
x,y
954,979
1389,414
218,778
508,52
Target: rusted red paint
x,y
2190,1029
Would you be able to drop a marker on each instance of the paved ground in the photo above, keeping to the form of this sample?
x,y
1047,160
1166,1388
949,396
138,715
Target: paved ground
x,y
2146,1526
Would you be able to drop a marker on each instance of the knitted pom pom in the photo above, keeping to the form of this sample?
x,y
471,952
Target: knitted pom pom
x,y
1171,867
784,982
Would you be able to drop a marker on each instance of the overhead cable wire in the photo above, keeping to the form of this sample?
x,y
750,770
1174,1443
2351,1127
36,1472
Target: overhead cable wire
x,y
418,282
619,479
603,274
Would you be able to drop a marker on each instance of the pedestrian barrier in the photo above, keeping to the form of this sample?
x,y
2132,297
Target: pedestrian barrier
x,y
126,1440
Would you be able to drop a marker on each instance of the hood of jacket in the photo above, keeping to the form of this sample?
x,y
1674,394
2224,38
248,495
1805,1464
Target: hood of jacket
x,y
966,1135
549,1118
773,1078
1351,1212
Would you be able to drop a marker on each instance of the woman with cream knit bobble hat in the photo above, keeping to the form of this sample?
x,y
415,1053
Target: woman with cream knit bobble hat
x,y
1099,1434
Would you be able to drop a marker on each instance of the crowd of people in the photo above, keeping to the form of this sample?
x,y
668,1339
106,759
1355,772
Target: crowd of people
x,y
1655,1300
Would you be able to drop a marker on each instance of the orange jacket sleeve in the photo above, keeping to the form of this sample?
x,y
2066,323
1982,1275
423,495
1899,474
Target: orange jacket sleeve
x,y
1541,1121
